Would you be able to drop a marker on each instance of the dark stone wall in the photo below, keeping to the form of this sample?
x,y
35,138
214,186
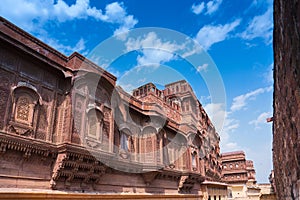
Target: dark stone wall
x,y
286,126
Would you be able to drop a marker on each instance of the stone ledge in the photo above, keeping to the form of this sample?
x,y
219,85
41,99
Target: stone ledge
x,y
47,194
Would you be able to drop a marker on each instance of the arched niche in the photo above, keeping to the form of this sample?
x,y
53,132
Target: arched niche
x,y
148,144
124,143
194,160
194,140
25,107
161,149
99,88
94,125
149,130
177,150
125,139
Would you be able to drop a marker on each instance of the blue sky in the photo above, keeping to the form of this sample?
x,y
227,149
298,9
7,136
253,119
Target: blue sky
x,y
236,37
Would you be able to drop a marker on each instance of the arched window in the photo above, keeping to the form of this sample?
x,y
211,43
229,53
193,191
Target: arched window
x,y
148,143
25,100
194,161
95,124
124,141
23,110
160,146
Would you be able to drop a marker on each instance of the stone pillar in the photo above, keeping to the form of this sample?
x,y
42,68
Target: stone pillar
x,y
286,103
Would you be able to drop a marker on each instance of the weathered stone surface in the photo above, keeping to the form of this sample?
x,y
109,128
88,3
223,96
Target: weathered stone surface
x,y
286,125
61,128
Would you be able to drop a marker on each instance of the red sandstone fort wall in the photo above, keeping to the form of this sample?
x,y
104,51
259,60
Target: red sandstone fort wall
x,y
286,125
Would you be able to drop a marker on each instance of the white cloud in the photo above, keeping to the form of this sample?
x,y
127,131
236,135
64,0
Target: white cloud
x,y
142,80
128,87
261,119
269,74
217,113
100,60
153,49
151,40
209,35
197,9
230,146
240,102
211,7
261,26
32,15
202,67
230,126
66,49
80,45
224,123
153,57
116,13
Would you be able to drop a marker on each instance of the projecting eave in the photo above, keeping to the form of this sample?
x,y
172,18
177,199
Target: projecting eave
x,y
215,183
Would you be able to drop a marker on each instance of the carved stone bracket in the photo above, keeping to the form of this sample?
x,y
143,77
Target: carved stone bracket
x,y
149,177
71,166
181,182
186,183
3,147
17,143
58,166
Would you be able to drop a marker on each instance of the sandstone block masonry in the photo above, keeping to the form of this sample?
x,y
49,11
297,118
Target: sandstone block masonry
x,y
286,126
65,125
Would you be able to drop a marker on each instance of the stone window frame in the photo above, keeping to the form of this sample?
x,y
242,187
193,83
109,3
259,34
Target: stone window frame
x,y
95,112
161,147
148,142
177,146
29,92
126,143
194,160
195,143
24,109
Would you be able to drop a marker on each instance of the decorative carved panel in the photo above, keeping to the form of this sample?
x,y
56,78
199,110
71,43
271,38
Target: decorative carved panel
x,y
58,118
41,136
77,122
78,114
23,108
3,104
43,118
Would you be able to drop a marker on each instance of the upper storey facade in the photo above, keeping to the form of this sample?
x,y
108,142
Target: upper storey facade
x,y
236,169
72,128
